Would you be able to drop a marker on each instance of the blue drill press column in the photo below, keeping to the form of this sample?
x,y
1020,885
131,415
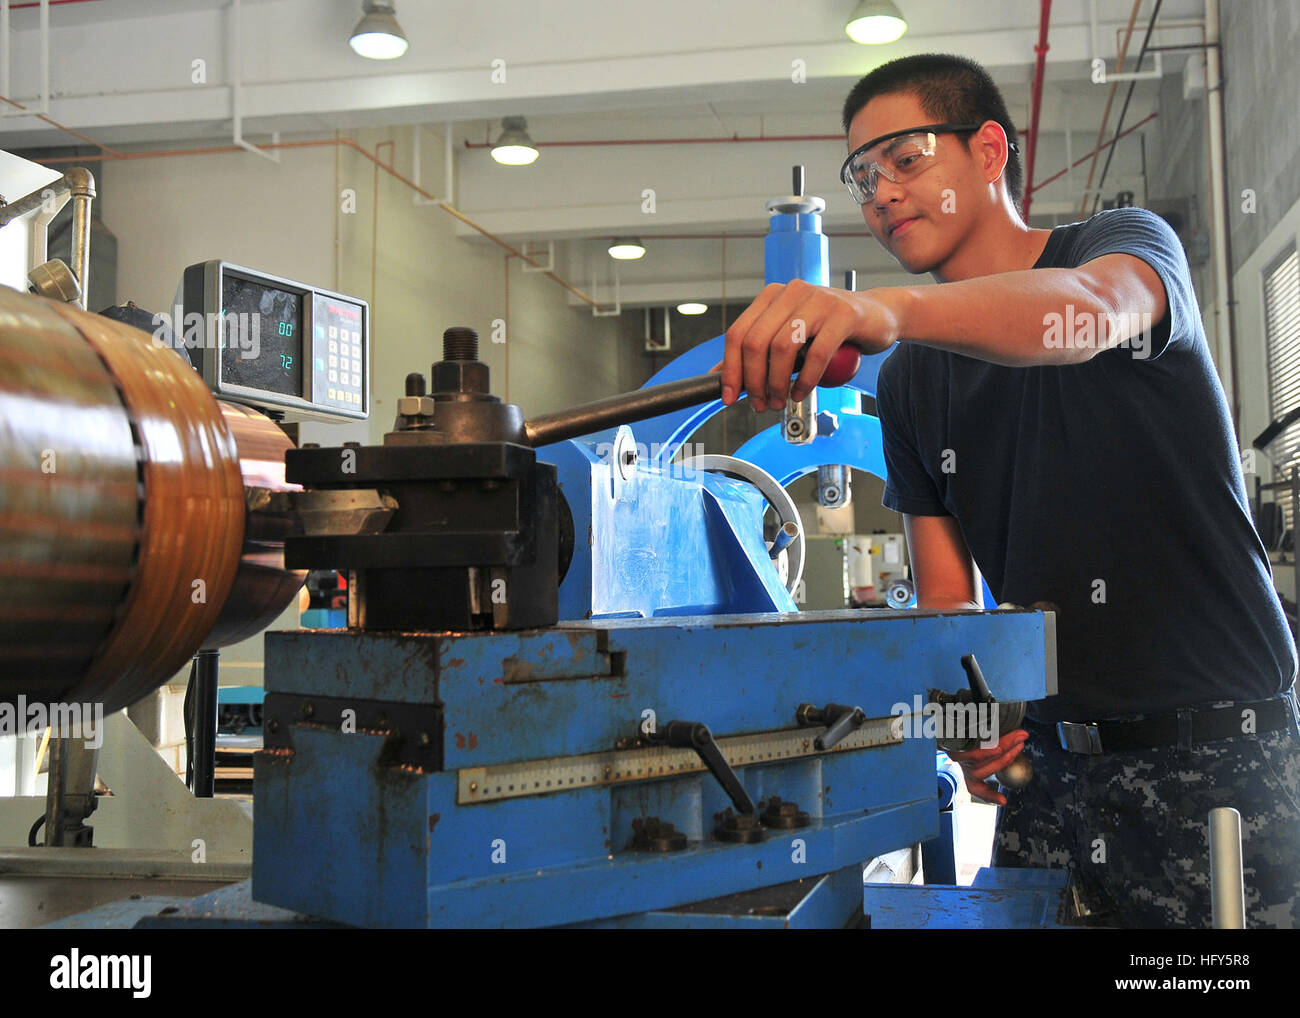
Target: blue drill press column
x,y
795,247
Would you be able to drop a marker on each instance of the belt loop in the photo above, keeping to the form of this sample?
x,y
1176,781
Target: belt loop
x,y
1185,729
1292,710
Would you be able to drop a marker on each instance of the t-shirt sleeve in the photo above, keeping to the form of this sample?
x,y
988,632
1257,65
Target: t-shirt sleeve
x,y
908,486
1143,234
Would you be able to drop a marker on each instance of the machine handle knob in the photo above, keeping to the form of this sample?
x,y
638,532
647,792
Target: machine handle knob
x,y
978,687
840,719
696,735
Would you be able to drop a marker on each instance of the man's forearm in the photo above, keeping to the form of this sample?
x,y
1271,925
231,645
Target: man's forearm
x,y
1005,318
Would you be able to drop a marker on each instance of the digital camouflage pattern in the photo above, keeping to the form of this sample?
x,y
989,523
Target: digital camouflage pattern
x,y
1133,826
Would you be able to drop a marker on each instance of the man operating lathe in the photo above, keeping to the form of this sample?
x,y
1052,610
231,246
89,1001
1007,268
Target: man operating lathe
x,y
1052,420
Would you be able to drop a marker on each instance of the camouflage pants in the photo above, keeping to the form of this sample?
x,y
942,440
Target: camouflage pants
x,y
1133,826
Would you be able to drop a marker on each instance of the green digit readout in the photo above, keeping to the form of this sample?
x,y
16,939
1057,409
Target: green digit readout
x,y
286,361
286,328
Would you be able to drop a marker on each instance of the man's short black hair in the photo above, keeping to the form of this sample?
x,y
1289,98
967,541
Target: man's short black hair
x,y
951,90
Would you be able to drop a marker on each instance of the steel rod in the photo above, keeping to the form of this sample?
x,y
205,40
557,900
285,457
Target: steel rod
x,y
625,408
1227,889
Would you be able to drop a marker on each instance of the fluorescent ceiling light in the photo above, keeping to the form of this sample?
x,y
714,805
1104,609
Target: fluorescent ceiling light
x,y
627,249
692,307
875,23
514,147
378,36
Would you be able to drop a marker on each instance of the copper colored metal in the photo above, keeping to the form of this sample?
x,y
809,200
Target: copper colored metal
x,y
192,525
69,501
263,588
122,510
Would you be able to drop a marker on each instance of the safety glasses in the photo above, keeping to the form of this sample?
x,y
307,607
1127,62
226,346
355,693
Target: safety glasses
x,y
898,156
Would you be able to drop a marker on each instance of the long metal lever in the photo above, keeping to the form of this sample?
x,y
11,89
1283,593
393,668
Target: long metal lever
x,y
625,408
695,735
642,404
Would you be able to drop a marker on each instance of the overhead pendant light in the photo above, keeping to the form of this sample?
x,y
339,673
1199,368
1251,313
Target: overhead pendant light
x,y
875,23
514,147
378,36
627,249
692,307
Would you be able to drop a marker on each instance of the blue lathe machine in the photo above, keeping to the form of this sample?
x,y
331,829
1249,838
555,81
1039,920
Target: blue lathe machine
x,y
654,740
575,687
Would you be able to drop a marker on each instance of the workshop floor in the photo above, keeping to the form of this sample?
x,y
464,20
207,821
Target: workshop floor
x,y
27,902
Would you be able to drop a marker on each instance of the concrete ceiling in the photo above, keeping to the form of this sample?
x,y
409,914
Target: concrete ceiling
x,y
122,72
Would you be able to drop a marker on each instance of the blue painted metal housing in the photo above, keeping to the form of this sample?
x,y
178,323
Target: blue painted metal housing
x,y
667,542
339,834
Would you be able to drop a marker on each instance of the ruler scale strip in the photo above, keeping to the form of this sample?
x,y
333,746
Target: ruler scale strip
x,y
541,777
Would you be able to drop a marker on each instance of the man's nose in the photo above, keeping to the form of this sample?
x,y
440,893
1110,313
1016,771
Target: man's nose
x,y
886,192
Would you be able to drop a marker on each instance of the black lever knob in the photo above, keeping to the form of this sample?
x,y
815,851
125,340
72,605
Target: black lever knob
x,y
840,719
696,735
975,678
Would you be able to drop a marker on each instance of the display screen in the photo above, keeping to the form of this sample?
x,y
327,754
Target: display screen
x,y
261,336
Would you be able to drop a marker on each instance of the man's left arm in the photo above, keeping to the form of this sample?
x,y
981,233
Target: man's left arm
x,y
1009,318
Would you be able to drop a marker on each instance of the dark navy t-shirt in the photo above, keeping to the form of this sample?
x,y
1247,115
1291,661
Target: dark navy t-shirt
x,y
1112,489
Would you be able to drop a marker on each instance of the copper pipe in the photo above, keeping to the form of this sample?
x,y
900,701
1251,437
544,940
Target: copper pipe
x,y
347,143
734,139
68,130
1110,98
1088,155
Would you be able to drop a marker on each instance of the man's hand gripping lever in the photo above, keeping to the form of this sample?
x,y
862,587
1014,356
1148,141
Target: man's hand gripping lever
x,y
978,756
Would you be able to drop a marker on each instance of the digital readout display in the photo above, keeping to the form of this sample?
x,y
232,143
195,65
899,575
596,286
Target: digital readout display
x,y
261,333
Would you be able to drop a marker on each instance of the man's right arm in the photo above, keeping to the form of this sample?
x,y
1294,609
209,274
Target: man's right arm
x,y
942,568
946,580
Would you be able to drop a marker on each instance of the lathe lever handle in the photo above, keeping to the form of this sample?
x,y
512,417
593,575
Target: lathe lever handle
x,y
975,678
840,719
696,735
849,719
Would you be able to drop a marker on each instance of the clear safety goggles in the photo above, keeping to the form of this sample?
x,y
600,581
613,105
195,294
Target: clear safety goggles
x,y
898,157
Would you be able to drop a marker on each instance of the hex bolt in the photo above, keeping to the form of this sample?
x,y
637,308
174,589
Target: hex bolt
x,y
415,406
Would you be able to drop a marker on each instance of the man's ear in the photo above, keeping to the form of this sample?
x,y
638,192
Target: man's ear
x,y
989,146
